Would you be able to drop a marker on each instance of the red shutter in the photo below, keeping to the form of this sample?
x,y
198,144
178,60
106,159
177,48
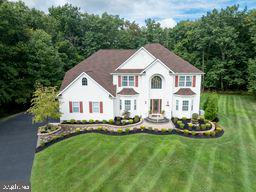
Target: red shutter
x,y
136,81
194,81
176,81
101,107
119,81
70,107
90,107
81,107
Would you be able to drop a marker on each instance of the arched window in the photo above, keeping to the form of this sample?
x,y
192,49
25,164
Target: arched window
x,y
84,81
156,82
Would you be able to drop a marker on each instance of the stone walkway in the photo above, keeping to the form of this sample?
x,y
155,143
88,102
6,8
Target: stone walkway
x,y
168,125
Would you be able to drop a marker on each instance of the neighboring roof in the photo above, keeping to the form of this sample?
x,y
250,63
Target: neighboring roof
x,y
127,91
99,66
184,91
128,70
174,62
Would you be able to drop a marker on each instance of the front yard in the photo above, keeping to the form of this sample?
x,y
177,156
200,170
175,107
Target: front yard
x,y
143,162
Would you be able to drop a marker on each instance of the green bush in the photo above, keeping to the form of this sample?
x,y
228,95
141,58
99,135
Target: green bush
x,y
184,118
155,129
208,125
212,134
179,122
142,127
104,121
118,122
99,128
150,128
78,129
186,132
195,116
136,119
134,129
123,122
203,126
202,118
207,133
97,121
91,121
218,129
111,121
163,130
84,121
190,125
119,130
89,129
72,121
130,121
105,129
127,130
211,109
181,125
193,133
175,120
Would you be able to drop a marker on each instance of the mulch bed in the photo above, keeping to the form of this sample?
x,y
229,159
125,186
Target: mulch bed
x,y
187,121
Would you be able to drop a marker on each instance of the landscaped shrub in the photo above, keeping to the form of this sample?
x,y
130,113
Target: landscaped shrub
x,y
190,125
72,121
134,129
111,121
155,129
84,121
64,121
163,130
218,129
207,133
184,118
126,114
97,121
118,122
89,129
99,128
212,134
211,109
136,119
202,118
127,130
119,130
175,119
179,122
78,130
47,128
91,121
203,126
105,129
208,125
142,127
195,116
104,121
181,125
78,122
150,128
130,121
186,132
123,122
193,133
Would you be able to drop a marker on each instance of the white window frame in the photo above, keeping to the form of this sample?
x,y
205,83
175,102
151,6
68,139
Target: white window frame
x,y
177,105
135,104
185,81
127,107
157,85
129,80
185,107
96,107
75,107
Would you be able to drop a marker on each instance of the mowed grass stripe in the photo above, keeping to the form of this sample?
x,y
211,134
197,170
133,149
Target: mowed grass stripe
x,y
112,170
210,170
142,170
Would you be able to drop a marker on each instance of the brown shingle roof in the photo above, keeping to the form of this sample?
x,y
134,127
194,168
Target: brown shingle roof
x,y
174,62
184,91
127,91
99,66
128,70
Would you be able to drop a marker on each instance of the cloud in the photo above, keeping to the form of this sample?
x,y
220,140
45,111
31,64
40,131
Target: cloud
x,y
168,23
134,10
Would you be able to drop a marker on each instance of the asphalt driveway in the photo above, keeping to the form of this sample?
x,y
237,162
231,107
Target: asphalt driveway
x,y
17,148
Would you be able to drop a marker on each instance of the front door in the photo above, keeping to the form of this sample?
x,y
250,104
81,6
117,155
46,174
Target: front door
x,y
156,105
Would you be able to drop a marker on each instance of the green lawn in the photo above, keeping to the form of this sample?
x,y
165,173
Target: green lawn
x,y
141,162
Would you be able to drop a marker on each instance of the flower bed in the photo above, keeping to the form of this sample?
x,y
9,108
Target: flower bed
x,y
70,132
199,124
48,129
117,121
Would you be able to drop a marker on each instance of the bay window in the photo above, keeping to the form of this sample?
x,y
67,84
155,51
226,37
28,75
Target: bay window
x,y
185,104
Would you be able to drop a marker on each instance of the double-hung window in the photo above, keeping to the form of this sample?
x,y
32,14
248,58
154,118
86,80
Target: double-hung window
x,y
127,81
95,107
185,81
75,107
177,105
127,105
185,104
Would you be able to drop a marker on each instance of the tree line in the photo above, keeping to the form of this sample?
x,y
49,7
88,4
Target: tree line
x,y
38,47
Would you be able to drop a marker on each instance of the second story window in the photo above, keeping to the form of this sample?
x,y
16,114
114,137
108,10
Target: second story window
x,y
127,81
185,81
156,82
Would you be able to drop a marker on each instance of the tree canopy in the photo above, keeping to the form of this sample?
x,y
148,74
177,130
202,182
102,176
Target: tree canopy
x,y
38,46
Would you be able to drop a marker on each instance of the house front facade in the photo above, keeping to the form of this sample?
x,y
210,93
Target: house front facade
x,y
150,80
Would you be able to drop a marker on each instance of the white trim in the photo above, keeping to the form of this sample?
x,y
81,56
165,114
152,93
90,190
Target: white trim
x,y
88,76
142,48
152,63
189,73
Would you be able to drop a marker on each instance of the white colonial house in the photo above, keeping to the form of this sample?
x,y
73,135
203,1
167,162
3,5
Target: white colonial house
x,y
150,81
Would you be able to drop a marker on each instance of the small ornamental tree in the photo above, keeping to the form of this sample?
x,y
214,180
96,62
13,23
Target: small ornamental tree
x,y
211,110
44,104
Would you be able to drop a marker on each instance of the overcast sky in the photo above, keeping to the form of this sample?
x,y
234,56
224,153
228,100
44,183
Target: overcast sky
x,y
167,12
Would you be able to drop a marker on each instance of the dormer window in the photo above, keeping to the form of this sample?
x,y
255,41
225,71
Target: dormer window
x,y
127,81
84,81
